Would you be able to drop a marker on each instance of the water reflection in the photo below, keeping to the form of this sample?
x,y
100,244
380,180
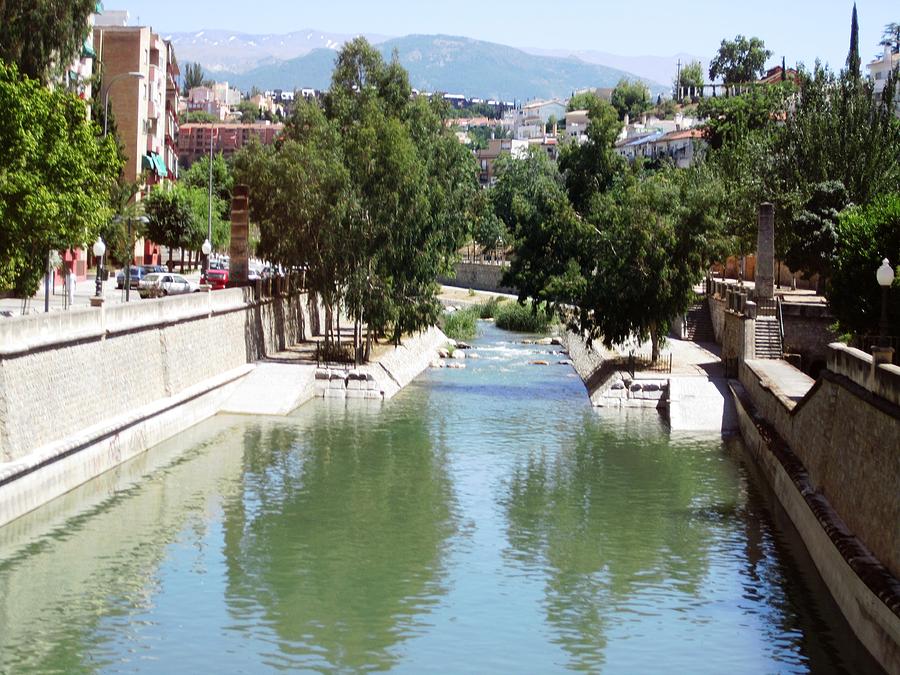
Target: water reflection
x,y
339,534
71,585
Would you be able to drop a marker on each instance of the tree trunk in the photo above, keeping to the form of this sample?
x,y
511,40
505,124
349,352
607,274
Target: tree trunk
x,y
654,343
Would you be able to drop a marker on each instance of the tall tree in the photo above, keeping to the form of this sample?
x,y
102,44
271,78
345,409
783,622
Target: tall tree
x,y
192,76
691,77
740,60
853,60
815,230
56,175
43,37
169,218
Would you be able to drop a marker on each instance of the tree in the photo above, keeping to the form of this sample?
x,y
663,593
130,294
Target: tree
x,y
631,97
56,175
547,235
865,236
249,111
853,60
815,231
192,77
583,100
891,37
199,117
691,77
42,38
740,60
169,217
589,168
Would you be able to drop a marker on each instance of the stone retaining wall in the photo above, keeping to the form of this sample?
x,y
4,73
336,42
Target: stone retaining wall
x,y
479,276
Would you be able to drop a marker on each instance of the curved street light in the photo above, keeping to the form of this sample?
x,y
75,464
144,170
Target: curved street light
x,y
120,76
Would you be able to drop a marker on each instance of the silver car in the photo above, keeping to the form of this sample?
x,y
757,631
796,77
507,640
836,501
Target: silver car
x,y
159,283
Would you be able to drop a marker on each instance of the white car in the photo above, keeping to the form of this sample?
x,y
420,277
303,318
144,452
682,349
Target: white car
x,y
159,283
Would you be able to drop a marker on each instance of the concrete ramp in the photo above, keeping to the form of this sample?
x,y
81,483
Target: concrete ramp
x,y
701,404
273,389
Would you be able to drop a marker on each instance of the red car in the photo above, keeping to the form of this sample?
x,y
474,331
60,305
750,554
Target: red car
x,y
217,279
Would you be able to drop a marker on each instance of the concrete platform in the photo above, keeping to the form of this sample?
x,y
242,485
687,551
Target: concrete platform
x,y
273,388
701,404
780,377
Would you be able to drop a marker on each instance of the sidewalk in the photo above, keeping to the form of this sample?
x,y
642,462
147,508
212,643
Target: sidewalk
x,y
84,291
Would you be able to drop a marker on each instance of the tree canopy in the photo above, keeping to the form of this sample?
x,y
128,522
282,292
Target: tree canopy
x,y
41,37
740,60
631,97
369,191
56,175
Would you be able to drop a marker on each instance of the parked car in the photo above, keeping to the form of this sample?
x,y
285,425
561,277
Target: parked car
x,y
137,273
216,278
163,283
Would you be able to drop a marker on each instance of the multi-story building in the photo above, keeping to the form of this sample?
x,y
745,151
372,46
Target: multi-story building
x,y
194,139
879,69
496,147
145,108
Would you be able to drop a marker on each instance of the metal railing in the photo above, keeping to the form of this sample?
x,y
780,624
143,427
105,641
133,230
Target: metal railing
x,y
643,363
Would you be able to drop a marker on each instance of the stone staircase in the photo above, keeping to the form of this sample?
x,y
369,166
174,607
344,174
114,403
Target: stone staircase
x,y
768,338
698,324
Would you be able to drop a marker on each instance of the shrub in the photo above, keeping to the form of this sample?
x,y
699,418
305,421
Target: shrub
x,y
461,324
513,316
488,310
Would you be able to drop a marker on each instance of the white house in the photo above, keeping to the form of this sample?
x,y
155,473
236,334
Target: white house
x,y
879,70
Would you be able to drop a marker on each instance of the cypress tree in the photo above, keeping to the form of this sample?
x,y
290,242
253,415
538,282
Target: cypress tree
x,y
853,61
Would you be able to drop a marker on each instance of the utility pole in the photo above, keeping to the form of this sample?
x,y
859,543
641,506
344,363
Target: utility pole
x,y
678,81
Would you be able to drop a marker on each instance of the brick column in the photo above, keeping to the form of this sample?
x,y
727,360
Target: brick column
x,y
239,250
765,253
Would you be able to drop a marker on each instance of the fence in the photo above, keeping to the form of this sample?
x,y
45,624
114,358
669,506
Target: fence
x,y
644,363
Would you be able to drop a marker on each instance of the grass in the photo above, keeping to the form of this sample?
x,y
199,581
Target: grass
x,y
461,324
513,316
488,310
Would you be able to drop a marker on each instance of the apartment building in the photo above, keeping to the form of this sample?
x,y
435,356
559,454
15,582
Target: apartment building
x,y
194,139
145,107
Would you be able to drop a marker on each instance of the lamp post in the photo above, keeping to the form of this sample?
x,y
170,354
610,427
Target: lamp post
x,y
120,76
207,249
885,277
99,250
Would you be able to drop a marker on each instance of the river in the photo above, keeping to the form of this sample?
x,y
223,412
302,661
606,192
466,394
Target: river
x,y
484,520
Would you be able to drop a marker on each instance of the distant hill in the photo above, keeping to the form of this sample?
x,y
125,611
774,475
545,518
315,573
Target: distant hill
x,y
236,52
450,64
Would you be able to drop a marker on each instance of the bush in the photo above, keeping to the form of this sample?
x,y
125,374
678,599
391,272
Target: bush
x,y
513,316
461,324
488,310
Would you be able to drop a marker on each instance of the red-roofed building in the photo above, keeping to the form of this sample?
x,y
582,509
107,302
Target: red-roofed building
x,y
679,146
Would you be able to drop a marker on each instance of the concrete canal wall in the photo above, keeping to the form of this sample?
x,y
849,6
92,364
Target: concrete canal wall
x,y
832,456
82,391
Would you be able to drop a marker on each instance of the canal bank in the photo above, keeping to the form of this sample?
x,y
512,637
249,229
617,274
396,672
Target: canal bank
x,y
490,507
85,390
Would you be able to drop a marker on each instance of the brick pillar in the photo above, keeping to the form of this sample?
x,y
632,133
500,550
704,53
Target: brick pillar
x,y
765,253
239,250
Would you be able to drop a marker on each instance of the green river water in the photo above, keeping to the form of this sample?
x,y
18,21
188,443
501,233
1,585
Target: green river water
x,y
484,520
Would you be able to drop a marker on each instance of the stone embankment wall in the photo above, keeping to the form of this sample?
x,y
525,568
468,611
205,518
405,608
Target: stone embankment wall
x,y
65,371
381,380
833,459
480,276
808,332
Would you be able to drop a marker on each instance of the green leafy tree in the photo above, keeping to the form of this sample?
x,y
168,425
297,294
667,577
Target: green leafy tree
x,y
740,60
196,179
692,75
250,111
192,76
865,236
547,235
631,97
589,168
42,38
56,175
169,218
199,117
583,100
815,231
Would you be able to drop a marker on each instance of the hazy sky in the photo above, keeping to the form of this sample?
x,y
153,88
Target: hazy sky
x,y
800,30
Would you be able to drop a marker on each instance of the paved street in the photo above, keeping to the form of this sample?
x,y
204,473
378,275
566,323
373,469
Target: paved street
x,y
84,291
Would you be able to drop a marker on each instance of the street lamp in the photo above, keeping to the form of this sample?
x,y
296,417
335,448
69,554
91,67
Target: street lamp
x,y
885,276
207,249
99,250
136,74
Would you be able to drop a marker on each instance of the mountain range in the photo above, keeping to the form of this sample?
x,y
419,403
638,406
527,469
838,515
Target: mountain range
x,y
435,63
